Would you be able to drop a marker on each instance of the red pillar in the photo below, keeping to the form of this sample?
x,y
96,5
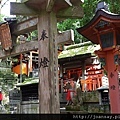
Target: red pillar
x,y
114,89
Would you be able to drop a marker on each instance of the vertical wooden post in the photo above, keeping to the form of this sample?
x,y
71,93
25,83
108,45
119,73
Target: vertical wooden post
x,y
61,70
21,68
48,63
30,62
83,69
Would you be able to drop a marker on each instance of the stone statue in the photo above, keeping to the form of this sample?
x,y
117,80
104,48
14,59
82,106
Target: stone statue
x,y
77,100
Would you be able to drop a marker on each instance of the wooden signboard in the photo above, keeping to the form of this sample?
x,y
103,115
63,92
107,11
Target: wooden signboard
x,y
5,36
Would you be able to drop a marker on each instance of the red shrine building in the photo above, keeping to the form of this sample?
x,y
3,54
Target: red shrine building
x,y
104,29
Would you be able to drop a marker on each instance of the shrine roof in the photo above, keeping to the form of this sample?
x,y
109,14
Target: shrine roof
x,y
78,49
89,30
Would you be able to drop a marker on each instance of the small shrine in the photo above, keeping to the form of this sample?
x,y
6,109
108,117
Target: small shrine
x,y
71,69
104,29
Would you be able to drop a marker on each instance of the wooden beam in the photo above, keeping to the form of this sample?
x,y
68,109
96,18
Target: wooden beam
x,y
19,49
25,26
62,38
21,9
71,12
93,74
65,37
96,70
72,66
50,4
57,5
63,8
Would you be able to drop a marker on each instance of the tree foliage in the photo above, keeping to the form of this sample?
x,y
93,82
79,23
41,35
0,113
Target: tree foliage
x,y
89,7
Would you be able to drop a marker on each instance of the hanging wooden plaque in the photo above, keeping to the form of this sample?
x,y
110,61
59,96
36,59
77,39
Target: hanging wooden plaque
x,y
5,36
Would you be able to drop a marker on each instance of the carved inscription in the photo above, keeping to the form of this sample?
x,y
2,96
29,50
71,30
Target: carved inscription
x,y
111,74
43,35
112,87
43,62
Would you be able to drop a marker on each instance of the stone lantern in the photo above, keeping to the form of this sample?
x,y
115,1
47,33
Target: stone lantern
x,y
103,95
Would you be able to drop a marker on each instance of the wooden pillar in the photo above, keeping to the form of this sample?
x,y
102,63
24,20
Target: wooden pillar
x,y
21,56
83,69
30,62
14,40
61,70
48,63
61,78
109,61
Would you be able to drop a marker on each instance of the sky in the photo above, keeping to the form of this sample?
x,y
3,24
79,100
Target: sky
x,y
5,10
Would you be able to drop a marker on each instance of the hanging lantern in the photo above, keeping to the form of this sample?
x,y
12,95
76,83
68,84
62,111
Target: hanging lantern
x,y
5,36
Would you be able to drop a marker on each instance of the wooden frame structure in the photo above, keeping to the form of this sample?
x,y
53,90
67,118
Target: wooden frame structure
x,y
48,12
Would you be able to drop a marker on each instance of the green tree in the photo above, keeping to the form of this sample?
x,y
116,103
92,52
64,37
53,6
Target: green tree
x,y
89,7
